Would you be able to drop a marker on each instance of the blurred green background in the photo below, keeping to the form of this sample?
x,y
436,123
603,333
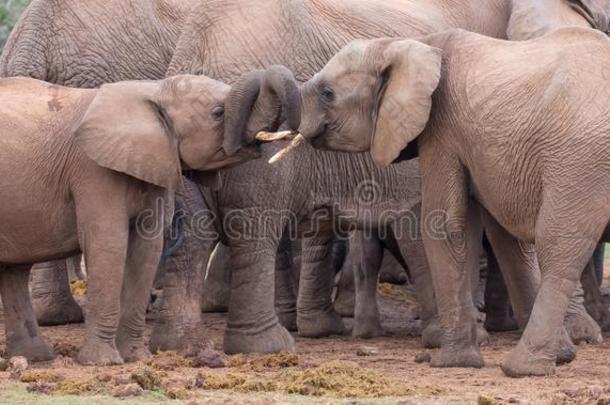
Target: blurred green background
x,y
10,10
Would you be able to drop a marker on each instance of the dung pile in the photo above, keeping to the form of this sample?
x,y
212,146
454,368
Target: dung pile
x,y
340,379
78,288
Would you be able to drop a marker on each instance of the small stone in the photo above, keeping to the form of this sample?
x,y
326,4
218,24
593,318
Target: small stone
x,y
3,364
129,390
18,363
209,358
367,351
423,357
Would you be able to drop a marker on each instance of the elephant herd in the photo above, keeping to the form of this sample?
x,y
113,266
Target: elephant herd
x,y
144,134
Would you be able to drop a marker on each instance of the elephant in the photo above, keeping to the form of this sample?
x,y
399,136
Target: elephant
x,y
545,187
313,196
83,44
95,170
221,39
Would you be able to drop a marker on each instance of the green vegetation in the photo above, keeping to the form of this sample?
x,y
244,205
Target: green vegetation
x,y
10,10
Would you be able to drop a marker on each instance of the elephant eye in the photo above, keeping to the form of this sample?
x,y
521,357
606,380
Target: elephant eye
x,y
218,112
327,94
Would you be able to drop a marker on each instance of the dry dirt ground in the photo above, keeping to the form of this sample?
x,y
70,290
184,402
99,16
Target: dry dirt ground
x,y
331,370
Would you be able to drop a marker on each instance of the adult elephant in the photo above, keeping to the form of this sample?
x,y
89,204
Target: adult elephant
x,y
302,196
86,44
223,39
554,167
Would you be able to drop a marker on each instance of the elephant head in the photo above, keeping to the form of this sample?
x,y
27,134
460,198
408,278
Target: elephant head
x,y
372,95
151,130
261,101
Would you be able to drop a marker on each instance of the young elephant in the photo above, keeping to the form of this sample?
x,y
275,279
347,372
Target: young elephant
x,y
530,142
91,170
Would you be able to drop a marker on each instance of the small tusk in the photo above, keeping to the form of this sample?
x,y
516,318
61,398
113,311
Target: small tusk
x,y
275,136
299,139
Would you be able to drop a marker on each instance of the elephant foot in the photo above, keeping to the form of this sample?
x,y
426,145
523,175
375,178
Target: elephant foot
x,y
393,275
288,320
99,353
320,324
344,305
520,362
56,310
367,328
34,349
483,338
272,340
500,323
132,350
567,350
432,334
452,357
186,338
582,328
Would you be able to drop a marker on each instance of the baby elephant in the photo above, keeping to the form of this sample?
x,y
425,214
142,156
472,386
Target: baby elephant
x,y
523,128
92,171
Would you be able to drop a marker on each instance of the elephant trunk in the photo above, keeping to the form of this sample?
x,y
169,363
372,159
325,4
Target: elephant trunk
x,y
313,120
279,81
238,108
259,101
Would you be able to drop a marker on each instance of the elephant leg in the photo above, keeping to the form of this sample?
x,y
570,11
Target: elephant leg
x,y
143,258
285,287
217,284
498,311
104,239
518,265
22,334
252,325
367,322
391,271
75,270
408,248
345,298
179,325
562,260
521,273
51,296
594,301
316,316
581,327
453,254
412,251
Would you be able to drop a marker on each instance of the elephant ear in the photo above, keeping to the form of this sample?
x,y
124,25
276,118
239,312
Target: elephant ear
x,y
126,129
410,73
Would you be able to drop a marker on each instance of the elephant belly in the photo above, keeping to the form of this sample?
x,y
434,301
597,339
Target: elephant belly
x,y
30,234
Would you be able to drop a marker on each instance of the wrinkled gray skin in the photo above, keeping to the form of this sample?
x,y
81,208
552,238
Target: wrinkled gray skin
x,y
223,38
459,163
304,35
307,184
86,44
120,150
